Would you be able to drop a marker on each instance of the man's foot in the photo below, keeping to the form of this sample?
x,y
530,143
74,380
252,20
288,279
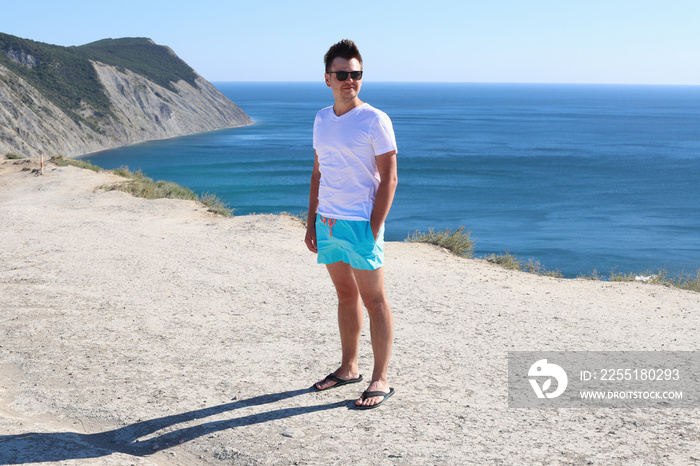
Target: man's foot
x,y
334,380
376,394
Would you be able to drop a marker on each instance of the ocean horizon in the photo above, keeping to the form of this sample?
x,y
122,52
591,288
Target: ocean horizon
x,y
579,177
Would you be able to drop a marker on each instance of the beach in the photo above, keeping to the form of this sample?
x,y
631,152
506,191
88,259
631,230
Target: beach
x,y
154,332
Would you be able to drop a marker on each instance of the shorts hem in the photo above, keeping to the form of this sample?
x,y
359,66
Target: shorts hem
x,y
354,266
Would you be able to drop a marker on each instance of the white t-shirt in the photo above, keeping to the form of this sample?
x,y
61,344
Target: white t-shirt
x,y
346,146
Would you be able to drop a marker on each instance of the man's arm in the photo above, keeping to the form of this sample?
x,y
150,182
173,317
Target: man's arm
x,y
388,176
310,238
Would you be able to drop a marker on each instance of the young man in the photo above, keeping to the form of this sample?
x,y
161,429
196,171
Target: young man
x,y
352,187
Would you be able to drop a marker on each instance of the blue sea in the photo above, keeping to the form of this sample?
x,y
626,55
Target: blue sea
x,y
577,177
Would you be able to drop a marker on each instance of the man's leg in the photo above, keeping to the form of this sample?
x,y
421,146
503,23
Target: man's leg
x,y
381,325
349,320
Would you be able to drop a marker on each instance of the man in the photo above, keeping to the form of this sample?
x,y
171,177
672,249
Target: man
x,y
352,188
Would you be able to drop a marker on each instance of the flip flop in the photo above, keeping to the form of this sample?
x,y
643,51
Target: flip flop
x,y
367,394
338,382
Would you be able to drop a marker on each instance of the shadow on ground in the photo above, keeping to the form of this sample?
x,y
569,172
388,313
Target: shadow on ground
x,y
60,446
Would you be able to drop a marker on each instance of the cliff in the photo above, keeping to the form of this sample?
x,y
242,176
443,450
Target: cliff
x,y
76,100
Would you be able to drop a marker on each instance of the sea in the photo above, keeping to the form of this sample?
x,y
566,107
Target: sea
x,y
580,178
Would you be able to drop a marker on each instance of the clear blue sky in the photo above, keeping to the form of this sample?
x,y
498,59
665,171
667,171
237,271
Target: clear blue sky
x,y
567,41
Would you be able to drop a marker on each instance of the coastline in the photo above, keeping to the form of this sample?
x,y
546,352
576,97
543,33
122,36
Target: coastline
x,y
159,333
165,138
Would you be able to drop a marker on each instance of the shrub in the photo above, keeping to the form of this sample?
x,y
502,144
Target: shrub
x,y
505,259
61,162
515,263
687,283
594,275
12,156
458,242
124,172
616,276
139,185
216,205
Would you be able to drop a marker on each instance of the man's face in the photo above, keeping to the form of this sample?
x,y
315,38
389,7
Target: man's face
x,y
348,89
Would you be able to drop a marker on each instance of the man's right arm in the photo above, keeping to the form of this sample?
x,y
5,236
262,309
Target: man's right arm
x,y
310,238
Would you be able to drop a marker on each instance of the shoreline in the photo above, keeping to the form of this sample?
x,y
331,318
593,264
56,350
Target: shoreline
x,y
73,157
154,332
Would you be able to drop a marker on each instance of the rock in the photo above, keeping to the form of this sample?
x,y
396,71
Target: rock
x,y
293,433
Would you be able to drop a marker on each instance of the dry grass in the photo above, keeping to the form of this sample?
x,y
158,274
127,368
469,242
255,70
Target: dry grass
x,y
139,185
661,277
61,162
515,263
458,242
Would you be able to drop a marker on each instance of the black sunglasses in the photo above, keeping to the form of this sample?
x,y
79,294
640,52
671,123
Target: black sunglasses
x,y
343,75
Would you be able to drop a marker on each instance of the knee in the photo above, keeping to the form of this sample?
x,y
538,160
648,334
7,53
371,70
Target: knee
x,y
348,295
377,305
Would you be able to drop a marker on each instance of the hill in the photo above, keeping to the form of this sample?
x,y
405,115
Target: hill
x,y
75,100
162,66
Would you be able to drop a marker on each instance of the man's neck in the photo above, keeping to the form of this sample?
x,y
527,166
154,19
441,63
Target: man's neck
x,y
342,107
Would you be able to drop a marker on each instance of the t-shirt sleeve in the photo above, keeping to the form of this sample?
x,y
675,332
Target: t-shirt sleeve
x,y
382,133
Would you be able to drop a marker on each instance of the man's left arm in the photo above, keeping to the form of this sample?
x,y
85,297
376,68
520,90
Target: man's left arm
x,y
388,176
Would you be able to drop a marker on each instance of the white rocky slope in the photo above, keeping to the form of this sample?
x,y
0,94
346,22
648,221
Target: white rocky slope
x,y
30,123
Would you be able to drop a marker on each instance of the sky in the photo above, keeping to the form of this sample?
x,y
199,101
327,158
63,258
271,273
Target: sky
x,y
517,41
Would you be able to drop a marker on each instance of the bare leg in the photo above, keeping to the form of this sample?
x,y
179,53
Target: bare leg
x,y
371,287
349,320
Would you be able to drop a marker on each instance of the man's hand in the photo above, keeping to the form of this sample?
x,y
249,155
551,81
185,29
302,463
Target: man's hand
x,y
386,164
310,238
375,230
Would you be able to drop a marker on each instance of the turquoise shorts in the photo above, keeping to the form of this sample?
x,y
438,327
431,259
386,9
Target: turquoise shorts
x,y
349,241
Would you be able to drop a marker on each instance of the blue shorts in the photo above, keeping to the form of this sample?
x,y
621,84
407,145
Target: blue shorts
x,y
349,241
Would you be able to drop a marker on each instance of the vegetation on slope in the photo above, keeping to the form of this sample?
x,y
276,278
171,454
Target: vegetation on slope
x,y
66,77
139,185
142,56
62,76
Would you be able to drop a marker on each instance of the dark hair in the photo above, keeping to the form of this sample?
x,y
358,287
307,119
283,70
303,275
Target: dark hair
x,y
344,49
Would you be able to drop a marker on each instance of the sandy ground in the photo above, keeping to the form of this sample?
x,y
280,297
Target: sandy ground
x,y
153,332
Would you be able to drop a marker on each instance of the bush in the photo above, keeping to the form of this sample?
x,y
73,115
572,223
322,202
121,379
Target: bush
x,y
458,242
216,205
515,263
594,275
12,156
61,162
686,283
139,185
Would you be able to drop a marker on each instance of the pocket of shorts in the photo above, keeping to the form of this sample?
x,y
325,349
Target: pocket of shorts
x,y
369,235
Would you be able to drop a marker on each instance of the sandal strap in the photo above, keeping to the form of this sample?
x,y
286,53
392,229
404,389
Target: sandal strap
x,y
333,378
367,394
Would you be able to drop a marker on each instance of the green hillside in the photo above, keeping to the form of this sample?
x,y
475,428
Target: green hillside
x,y
61,75
65,76
140,55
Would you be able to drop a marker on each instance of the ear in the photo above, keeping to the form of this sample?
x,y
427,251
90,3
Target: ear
x,y
328,79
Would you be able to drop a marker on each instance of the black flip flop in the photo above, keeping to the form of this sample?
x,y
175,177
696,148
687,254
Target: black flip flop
x,y
338,382
367,394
